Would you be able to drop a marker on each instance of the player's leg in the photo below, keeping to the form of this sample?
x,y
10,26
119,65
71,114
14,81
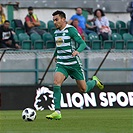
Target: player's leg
x,y
81,85
58,80
99,84
59,77
90,84
78,74
86,86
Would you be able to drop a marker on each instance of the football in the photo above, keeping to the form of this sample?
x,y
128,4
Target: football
x,y
29,114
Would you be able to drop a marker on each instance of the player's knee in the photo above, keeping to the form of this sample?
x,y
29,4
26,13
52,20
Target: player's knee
x,y
83,89
57,82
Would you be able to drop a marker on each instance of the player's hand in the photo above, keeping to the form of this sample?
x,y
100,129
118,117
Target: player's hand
x,y
75,53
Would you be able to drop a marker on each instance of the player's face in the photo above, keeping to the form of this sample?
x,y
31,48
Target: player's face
x,y
58,21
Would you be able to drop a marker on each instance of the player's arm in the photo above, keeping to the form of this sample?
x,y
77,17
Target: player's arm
x,y
77,38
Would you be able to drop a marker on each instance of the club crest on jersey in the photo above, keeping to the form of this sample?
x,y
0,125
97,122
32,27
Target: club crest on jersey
x,y
63,34
59,41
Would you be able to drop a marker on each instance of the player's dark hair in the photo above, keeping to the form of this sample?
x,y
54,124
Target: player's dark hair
x,y
102,13
60,13
6,21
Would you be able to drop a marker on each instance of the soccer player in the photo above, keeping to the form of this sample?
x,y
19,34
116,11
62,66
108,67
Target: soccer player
x,y
68,61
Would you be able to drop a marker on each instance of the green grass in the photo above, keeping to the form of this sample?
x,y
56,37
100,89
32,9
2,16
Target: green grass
x,y
73,121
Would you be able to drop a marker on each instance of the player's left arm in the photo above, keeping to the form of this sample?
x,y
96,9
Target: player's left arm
x,y
77,38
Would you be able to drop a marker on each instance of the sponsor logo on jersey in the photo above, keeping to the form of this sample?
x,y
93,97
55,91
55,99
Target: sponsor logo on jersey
x,y
59,41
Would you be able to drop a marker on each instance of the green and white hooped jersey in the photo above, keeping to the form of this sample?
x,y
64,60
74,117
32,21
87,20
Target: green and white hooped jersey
x,y
65,45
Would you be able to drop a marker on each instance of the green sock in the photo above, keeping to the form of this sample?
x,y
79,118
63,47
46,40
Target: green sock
x,y
90,85
57,97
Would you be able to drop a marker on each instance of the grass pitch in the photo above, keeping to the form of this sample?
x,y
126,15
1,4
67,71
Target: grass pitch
x,y
73,121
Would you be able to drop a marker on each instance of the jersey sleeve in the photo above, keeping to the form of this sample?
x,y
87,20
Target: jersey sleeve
x,y
77,38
